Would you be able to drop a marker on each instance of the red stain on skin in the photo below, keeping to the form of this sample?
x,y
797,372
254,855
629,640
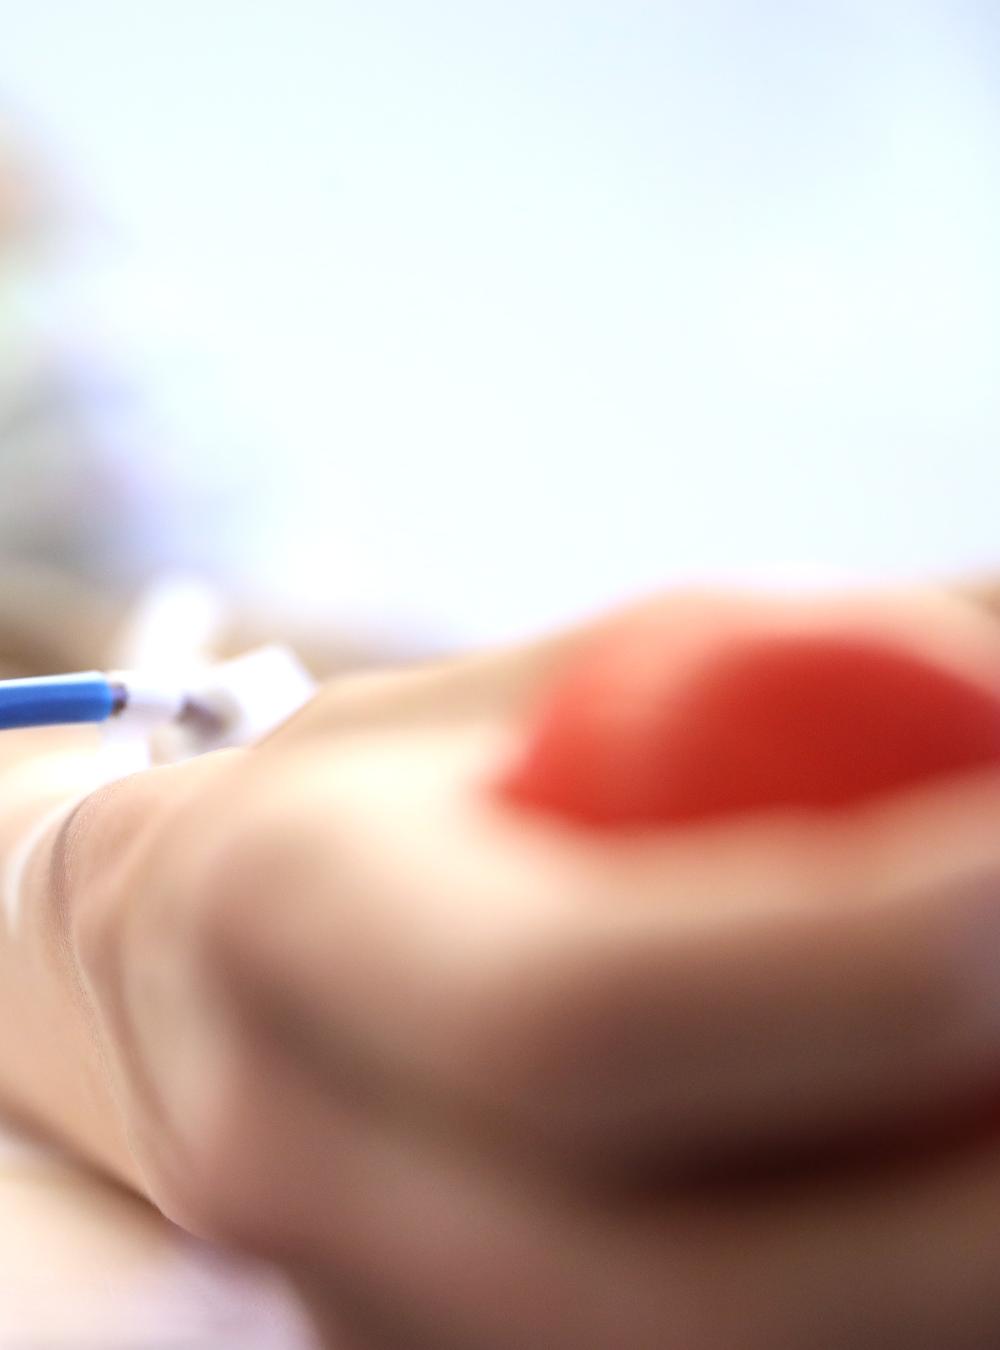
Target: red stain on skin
x,y
757,721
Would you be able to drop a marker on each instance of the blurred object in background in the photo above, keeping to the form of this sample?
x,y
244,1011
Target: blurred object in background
x,y
20,214
460,320
72,497
501,312
95,503
54,498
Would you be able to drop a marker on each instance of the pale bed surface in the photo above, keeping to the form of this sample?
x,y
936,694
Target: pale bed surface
x,y
83,1264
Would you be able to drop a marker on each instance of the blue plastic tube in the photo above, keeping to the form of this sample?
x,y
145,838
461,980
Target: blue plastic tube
x,y
55,700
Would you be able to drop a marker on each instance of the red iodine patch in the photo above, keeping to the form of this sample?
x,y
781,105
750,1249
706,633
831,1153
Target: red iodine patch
x,y
630,736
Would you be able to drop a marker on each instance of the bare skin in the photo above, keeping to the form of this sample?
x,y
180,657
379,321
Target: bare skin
x,y
484,1082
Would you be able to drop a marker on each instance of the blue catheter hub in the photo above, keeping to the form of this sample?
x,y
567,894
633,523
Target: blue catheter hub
x,y
56,700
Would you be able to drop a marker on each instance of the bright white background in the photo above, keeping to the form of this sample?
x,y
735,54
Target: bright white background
x,y
505,310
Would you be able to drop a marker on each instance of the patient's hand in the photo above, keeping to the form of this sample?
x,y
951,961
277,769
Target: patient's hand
x,y
488,1077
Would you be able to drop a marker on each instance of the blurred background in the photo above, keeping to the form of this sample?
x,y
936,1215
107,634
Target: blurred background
x,y
438,324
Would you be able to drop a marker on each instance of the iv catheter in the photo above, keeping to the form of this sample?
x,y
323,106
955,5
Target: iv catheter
x,y
152,720
230,703
90,696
